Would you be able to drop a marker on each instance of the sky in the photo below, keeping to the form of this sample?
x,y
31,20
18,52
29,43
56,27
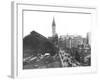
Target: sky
x,y
66,23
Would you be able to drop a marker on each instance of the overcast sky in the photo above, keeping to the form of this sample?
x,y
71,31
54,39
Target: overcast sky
x,y
66,23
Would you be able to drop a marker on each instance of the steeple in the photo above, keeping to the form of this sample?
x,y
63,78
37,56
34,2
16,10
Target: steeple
x,y
53,23
53,27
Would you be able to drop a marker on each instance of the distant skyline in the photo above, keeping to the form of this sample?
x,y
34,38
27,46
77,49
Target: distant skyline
x,y
66,23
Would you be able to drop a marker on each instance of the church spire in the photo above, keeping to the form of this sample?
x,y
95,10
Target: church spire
x,y
53,23
53,27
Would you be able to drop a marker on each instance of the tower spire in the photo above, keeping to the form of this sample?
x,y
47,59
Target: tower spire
x,y
53,23
53,27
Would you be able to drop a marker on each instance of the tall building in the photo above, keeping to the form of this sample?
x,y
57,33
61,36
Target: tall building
x,y
54,38
89,38
73,41
53,27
